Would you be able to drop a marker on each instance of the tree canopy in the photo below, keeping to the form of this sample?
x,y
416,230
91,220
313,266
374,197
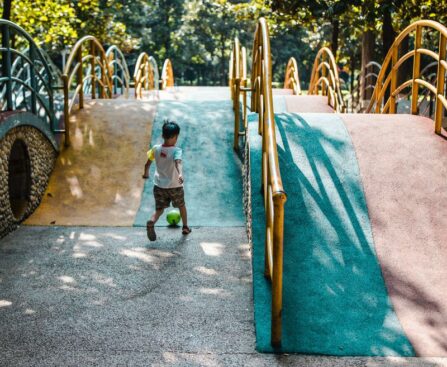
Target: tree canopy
x,y
197,34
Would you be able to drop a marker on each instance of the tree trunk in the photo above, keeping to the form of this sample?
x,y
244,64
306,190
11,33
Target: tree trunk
x,y
388,34
368,42
335,34
7,9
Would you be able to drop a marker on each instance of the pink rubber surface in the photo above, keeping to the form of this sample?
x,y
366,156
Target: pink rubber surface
x,y
306,103
403,165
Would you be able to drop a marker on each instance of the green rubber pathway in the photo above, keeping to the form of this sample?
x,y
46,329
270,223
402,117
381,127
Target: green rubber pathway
x,y
335,301
213,183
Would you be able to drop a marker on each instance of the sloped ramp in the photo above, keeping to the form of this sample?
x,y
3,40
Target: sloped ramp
x,y
365,248
97,180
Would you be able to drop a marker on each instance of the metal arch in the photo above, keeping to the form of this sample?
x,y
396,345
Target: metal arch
x,y
387,78
27,78
325,63
167,75
118,70
291,78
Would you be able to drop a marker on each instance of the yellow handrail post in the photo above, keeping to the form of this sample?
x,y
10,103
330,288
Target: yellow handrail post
x,y
80,78
278,255
392,107
416,70
440,84
93,68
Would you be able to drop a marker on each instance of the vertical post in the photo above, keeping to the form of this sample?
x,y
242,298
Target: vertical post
x,y
440,85
416,71
278,238
93,69
80,77
33,81
6,65
236,106
393,82
66,110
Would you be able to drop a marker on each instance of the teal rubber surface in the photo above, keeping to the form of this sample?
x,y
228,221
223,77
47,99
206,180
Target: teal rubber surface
x,y
212,171
334,296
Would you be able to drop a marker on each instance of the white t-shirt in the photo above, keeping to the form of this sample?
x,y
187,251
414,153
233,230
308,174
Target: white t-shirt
x,y
166,175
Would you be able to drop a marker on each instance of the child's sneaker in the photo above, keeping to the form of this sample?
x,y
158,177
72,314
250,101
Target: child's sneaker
x,y
151,230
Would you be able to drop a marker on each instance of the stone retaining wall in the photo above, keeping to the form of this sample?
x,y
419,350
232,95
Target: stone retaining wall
x,y
42,158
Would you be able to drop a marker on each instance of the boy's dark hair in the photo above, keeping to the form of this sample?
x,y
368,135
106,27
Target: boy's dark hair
x,y
170,129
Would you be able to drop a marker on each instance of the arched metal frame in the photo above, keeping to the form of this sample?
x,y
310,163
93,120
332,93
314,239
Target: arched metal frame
x,y
86,55
167,75
238,85
325,80
365,81
118,70
272,188
145,75
26,81
291,78
387,79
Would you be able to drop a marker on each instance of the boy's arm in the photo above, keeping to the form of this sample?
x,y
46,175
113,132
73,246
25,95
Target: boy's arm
x,y
150,158
146,168
178,167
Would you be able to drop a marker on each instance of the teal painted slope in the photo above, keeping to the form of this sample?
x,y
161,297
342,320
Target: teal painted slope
x,y
335,301
213,184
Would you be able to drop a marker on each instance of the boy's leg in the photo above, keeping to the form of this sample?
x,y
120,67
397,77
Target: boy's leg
x,y
150,225
184,215
156,215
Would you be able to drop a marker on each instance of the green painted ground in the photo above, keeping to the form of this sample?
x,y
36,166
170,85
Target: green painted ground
x,y
335,301
213,184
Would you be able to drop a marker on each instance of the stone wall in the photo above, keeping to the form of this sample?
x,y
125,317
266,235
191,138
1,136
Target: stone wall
x,y
247,186
42,158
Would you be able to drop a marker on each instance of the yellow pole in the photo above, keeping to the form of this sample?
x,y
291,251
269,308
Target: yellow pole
x,y
440,85
236,106
278,254
393,80
416,71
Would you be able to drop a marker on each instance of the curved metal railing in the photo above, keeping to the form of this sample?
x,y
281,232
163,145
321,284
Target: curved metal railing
x,y
238,86
273,191
167,75
118,70
387,80
27,82
366,80
291,78
145,75
325,80
86,70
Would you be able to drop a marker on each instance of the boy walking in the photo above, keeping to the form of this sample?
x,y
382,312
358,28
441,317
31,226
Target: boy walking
x,y
168,178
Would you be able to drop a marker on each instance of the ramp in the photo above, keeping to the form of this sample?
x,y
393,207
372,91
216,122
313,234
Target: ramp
x,y
334,297
97,180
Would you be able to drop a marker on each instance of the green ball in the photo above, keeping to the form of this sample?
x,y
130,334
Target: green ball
x,y
173,217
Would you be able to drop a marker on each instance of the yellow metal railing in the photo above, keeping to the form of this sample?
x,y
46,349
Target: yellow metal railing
x,y
118,70
274,195
324,79
387,86
145,75
87,55
291,78
238,86
167,75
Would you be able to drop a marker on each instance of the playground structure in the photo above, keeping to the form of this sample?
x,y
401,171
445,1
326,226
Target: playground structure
x,y
145,75
387,89
91,72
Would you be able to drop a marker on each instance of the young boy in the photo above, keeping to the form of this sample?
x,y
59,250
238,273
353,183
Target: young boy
x,y
168,179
